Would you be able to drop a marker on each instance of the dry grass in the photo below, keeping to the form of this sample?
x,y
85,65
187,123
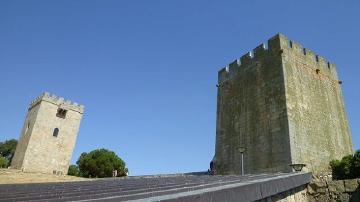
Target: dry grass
x,y
11,176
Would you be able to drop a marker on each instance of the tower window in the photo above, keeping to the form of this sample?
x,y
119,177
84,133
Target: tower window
x,y
61,113
56,132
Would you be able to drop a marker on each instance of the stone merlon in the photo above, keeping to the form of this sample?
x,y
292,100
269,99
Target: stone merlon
x,y
60,101
275,45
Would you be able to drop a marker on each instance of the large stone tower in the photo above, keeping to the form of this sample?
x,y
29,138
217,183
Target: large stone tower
x,y
282,104
48,136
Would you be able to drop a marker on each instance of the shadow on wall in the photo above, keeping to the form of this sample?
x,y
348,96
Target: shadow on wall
x,y
355,197
334,190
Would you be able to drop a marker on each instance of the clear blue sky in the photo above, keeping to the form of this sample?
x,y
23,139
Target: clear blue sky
x,y
146,70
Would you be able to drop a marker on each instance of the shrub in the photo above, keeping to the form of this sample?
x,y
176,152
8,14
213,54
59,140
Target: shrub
x,y
355,164
7,150
346,168
74,170
336,168
100,163
3,162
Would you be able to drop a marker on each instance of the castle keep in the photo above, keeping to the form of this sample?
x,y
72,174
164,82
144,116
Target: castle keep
x,y
281,104
48,136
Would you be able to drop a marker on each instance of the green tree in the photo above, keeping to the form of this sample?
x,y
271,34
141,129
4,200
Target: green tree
x,y
3,162
73,170
101,163
337,169
7,149
355,165
346,168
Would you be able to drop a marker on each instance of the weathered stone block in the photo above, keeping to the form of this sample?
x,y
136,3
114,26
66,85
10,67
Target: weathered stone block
x,y
344,197
311,190
336,186
317,187
351,185
322,198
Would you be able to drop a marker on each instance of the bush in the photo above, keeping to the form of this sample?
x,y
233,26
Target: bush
x,y
346,168
7,150
74,170
100,163
3,162
355,164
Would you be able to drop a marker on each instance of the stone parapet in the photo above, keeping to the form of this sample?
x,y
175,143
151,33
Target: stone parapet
x,y
278,44
60,101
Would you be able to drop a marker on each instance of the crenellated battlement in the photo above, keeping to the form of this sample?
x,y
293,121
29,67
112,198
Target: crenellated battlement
x,y
305,54
279,45
60,101
272,46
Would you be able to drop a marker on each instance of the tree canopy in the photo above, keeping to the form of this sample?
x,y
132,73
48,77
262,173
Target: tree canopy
x,y
101,163
74,170
7,150
3,162
346,168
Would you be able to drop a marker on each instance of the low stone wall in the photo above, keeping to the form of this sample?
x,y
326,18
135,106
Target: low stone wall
x,y
321,190
337,190
297,194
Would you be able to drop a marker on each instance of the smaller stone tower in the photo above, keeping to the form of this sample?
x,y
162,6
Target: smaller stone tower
x,y
48,136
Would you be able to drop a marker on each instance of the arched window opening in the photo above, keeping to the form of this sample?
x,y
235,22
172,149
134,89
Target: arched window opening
x,y
56,132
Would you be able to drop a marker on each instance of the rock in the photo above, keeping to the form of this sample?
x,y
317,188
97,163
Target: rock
x,y
323,198
344,197
310,190
351,185
336,186
317,187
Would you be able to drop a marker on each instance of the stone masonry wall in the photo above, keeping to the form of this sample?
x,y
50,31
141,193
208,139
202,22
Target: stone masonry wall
x,y
298,194
318,125
338,190
251,113
321,190
38,149
284,105
24,139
